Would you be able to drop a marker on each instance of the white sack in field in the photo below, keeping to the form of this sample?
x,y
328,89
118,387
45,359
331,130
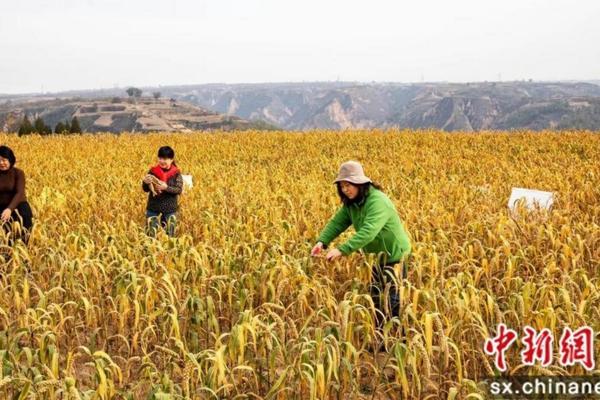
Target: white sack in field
x,y
188,182
531,198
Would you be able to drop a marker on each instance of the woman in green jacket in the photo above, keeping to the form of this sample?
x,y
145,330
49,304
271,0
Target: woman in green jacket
x,y
378,230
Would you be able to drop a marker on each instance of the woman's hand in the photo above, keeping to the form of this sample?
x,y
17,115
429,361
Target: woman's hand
x,y
5,216
333,254
159,186
317,249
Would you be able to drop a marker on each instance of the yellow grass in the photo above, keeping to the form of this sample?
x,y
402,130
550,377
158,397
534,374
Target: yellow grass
x,y
235,308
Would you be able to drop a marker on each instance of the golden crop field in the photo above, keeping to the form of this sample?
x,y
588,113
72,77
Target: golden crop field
x,y
235,307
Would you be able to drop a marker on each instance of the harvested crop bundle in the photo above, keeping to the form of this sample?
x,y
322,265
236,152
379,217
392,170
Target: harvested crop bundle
x,y
154,184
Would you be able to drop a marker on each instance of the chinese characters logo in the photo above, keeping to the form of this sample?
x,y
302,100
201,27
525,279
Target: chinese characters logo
x,y
575,347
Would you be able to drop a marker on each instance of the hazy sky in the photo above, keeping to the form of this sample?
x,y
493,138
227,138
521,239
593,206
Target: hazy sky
x,y
78,44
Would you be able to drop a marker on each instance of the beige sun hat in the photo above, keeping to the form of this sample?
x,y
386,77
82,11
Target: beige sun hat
x,y
352,171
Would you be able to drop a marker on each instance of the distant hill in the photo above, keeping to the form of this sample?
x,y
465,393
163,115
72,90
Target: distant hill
x,y
121,115
467,107
448,106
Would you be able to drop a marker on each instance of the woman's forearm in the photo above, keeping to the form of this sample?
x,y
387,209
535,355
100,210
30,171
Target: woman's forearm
x,y
338,224
177,188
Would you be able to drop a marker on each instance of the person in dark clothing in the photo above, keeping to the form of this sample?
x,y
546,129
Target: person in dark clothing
x,y
163,183
16,216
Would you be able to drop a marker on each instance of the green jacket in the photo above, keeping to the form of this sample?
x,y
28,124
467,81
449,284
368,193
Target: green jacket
x,y
377,225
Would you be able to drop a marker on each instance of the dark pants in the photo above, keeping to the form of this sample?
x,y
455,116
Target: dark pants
x,y
167,221
383,279
20,224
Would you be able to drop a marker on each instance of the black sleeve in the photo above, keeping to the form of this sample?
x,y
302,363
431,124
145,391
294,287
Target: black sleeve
x,y
19,190
178,187
145,186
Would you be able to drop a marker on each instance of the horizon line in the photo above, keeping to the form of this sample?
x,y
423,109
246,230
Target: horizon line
x,y
41,93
